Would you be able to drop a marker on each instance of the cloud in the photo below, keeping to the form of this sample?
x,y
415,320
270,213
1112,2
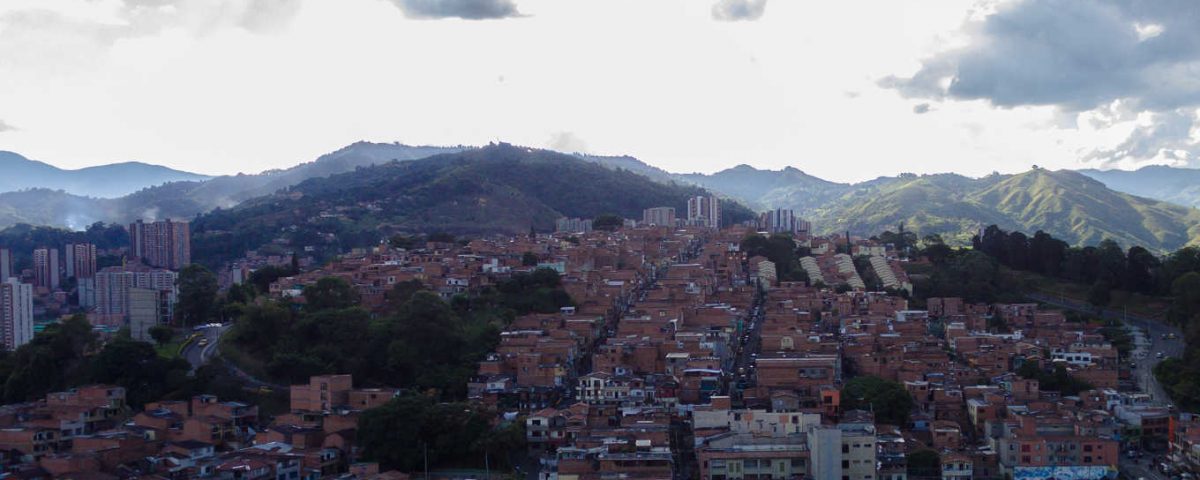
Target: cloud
x,y
735,10
5,127
53,41
1166,138
921,108
566,142
1081,58
257,16
465,9
1075,55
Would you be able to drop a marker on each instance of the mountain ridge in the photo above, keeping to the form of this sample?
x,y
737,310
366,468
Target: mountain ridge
x,y
1079,206
101,181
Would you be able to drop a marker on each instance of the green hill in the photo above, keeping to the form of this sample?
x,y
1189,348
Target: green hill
x,y
495,189
1067,204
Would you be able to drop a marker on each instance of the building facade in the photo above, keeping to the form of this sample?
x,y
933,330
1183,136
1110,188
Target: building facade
x,y
81,260
573,225
659,216
704,211
783,220
163,244
45,268
16,313
117,295
6,264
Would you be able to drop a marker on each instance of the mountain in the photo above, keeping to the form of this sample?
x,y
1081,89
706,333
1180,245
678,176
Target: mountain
x,y
1076,206
1064,203
63,207
1169,184
494,189
634,165
767,189
924,204
106,181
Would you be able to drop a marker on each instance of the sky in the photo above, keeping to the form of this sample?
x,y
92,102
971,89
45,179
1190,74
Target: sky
x,y
845,90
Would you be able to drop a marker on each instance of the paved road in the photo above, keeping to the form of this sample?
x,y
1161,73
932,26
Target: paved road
x,y
1149,336
1140,468
748,347
197,354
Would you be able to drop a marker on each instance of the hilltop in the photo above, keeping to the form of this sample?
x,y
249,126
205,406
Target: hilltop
x,y
495,189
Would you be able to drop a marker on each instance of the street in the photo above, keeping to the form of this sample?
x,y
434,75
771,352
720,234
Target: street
x,y
748,345
197,354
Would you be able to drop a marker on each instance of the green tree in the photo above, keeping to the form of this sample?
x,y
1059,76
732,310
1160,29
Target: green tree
x,y
781,250
1100,294
1186,302
402,292
265,276
136,366
161,334
197,295
529,259
53,360
889,400
330,293
401,433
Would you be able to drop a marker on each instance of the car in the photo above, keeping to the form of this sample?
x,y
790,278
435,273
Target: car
x,y
1159,355
203,342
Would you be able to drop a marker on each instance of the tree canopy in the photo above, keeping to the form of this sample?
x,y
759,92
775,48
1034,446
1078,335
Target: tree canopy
x,y
890,402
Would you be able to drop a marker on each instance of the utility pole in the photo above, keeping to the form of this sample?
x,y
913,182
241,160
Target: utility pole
x,y
426,446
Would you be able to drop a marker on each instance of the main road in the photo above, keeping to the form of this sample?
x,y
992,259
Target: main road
x,y
197,354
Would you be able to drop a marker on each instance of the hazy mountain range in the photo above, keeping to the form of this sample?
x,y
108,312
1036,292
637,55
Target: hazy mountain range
x,y
105,181
1153,206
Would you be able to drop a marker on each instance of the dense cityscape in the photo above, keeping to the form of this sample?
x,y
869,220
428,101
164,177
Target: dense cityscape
x,y
669,346
599,240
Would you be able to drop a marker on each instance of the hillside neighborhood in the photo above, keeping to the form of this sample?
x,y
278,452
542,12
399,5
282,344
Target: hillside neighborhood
x,y
680,353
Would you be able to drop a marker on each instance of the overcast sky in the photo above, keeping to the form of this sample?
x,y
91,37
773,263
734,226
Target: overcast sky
x,y
845,90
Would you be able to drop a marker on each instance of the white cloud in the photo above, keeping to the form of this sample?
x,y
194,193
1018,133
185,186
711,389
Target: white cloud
x,y
464,9
733,10
247,86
